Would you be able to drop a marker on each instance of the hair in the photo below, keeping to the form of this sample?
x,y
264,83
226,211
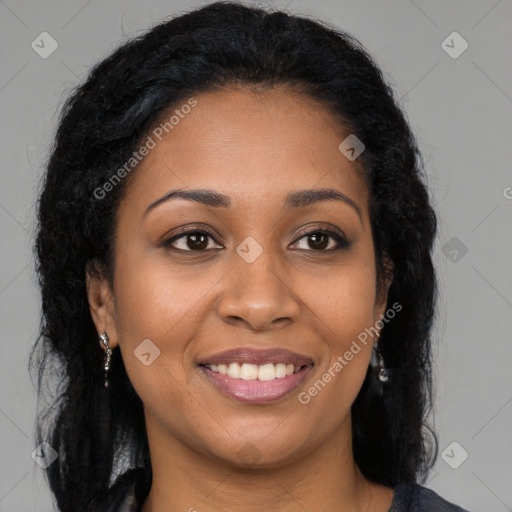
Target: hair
x,y
102,123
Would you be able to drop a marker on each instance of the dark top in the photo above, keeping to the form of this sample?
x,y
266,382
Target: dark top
x,y
408,497
412,497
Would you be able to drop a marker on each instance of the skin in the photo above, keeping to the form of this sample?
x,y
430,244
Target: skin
x,y
255,147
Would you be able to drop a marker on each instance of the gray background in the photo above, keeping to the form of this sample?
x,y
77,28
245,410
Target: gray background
x,y
460,109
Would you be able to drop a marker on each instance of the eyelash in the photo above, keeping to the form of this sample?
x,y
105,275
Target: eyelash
x,y
342,242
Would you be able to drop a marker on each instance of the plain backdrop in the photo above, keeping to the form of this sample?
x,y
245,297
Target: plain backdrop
x,y
459,103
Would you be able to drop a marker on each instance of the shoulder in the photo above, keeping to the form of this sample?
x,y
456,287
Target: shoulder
x,y
412,497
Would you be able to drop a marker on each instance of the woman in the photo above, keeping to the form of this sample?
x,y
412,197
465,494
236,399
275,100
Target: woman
x,y
234,253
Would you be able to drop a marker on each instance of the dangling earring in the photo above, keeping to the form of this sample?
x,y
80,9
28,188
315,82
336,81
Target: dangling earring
x,y
108,353
384,374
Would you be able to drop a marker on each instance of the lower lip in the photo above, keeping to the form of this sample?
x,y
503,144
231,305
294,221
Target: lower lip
x,y
257,391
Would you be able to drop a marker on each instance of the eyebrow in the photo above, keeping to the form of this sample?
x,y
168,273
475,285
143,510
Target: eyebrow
x,y
297,199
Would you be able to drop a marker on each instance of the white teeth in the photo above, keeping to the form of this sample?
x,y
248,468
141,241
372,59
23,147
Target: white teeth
x,y
280,371
247,371
234,370
267,372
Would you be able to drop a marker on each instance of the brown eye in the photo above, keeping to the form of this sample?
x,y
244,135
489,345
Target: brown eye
x,y
191,241
322,241
318,241
197,241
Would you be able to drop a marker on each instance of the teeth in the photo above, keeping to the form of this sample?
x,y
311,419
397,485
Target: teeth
x,y
234,370
269,371
249,371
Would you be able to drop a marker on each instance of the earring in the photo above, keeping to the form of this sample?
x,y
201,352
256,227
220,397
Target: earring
x,y
108,353
384,374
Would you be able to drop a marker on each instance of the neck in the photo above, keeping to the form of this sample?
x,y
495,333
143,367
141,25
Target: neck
x,y
327,478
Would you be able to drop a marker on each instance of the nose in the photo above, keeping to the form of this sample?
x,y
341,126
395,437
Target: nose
x,y
258,295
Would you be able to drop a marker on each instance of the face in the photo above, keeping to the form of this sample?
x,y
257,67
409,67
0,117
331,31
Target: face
x,y
255,265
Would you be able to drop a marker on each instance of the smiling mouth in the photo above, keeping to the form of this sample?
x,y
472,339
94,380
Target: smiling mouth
x,y
257,384
262,372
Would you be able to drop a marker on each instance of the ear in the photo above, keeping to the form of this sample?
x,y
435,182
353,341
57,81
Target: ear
x,y
101,302
385,280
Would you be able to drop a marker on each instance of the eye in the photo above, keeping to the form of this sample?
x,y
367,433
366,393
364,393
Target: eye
x,y
192,240
319,240
323,240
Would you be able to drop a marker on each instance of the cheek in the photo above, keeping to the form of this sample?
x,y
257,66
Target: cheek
x,y
343,308
159,304
155,304
343,301
156,300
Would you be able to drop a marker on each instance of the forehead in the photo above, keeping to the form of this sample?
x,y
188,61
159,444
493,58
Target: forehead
x,y
252,146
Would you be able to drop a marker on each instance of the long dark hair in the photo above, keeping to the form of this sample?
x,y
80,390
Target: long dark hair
x,y
100,434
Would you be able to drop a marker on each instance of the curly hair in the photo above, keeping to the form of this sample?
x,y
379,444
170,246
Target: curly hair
x,y
100,433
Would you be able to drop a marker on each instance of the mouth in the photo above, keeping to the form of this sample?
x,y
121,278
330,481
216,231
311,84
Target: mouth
x,y
262,372
256,376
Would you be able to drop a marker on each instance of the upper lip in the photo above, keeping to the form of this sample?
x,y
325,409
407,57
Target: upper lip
x,y
257,356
